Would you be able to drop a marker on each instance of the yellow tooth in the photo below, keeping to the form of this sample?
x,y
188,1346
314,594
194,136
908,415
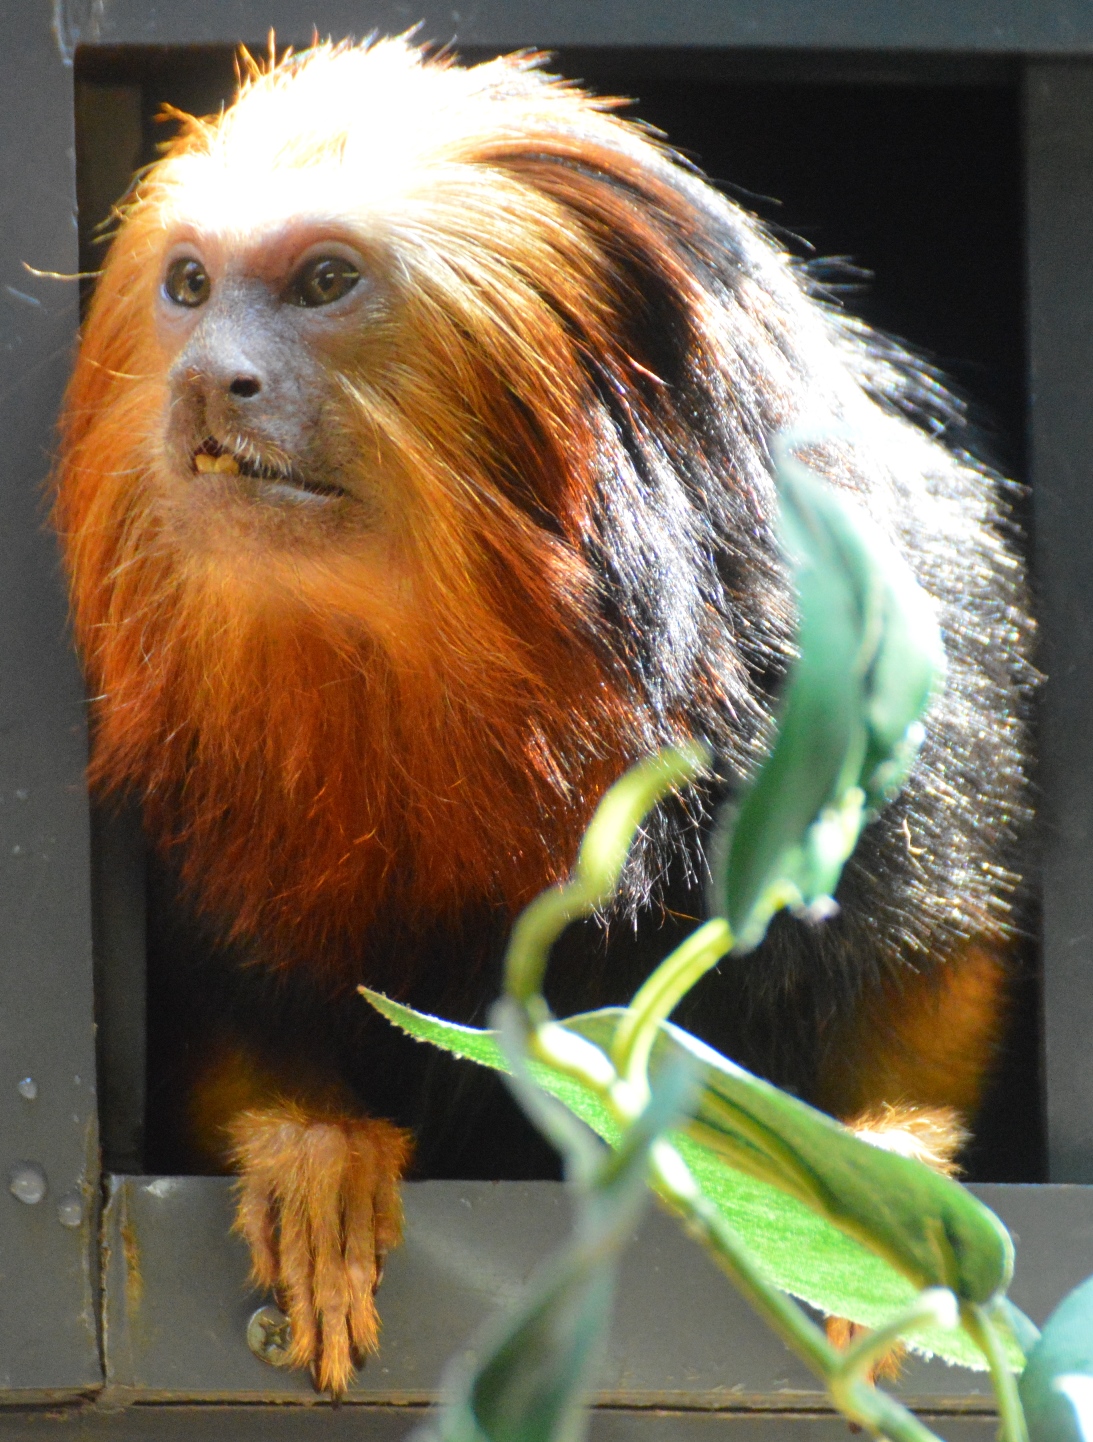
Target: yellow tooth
x,y
227,465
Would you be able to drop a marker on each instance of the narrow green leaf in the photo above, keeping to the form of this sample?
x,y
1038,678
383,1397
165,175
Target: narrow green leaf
x,y
1057,1384
802,1251
484,1048
869,653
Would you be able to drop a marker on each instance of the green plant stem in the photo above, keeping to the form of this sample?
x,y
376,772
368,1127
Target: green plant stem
x,y
980,1325
621,1082
936,1306
600,861
661,993
572,1055
859,1401
842,1374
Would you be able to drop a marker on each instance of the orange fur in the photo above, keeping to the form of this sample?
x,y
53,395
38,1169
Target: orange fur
x,y
230,1081
319,1207
421,716
923,1040
844,1334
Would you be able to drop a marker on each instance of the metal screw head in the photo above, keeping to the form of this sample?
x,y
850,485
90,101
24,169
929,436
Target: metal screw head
x,y
269,1336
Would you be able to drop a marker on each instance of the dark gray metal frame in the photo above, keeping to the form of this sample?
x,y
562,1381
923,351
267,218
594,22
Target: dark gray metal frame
x,y
173,1303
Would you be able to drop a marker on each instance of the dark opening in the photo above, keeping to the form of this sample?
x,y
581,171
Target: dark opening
x,y
909,178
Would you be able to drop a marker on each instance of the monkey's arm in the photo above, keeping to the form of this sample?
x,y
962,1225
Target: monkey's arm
x,y
318,1201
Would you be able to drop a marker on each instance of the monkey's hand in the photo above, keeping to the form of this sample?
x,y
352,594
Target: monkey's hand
x,y
319,1207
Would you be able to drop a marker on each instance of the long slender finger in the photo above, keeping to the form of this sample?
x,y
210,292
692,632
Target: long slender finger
x,y
255,1221
263,1145
325,1180
360,1250
296,1270
334,1370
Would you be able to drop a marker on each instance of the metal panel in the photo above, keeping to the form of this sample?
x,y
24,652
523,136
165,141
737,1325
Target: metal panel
x,y
1060,249
367,1424
177,1301
999,27
47,1061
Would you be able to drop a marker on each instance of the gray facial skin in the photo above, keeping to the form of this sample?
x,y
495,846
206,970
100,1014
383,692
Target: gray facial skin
x,y
252,336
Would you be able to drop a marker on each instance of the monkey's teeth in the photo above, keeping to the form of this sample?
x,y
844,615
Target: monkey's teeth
x,y
226,465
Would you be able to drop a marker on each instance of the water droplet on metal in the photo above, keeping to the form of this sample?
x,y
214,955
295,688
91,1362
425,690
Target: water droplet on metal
x,y
269,1336
70,1210
28,1088
28,1182
16,851
21,794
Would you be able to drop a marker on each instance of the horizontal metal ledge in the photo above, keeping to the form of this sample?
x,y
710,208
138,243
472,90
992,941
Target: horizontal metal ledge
x,y
176,1300
394,1424
996,27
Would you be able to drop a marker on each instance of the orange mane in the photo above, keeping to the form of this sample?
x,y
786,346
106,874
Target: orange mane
x,y
318,751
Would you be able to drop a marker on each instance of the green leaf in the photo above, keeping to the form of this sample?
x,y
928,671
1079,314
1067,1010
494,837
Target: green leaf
x,y
803,1251
925,1224
869,654
1056,1387
532,1370
484,1048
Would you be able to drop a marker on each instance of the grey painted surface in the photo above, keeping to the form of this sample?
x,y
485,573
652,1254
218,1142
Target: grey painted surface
x,y
301,1424
47,1329
177,1301
983,26
1060,241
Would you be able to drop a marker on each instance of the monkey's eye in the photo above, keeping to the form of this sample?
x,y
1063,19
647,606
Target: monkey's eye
x,y
187,282
322,280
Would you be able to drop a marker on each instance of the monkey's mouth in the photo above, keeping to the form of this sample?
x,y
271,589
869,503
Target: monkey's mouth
x,y
276,482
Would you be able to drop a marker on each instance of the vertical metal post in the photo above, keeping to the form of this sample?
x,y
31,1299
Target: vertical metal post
x,y
48,1137
1059,191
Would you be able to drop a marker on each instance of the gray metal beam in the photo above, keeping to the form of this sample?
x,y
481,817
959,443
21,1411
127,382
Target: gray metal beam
x,y
47,1061
394,1424
1059,121
995,27
177,1301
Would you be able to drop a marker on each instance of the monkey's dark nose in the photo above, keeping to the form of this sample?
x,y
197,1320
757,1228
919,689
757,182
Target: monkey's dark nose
x,y
245,386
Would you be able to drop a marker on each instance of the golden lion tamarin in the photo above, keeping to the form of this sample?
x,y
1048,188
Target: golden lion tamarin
x,y
415,479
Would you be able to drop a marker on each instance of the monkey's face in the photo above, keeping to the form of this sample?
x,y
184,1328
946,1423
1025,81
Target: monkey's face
x,y
364,352
260,334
